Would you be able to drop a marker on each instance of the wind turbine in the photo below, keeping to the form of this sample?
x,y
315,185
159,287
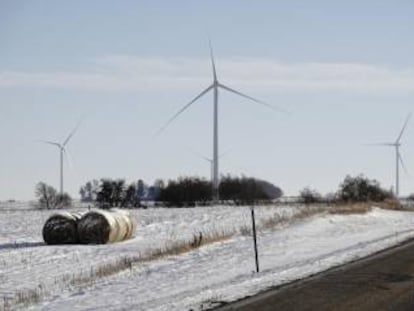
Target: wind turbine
x,y
398,158
210,161
62,150
215,86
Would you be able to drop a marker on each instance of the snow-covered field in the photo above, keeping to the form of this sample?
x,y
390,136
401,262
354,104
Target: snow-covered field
x,y
221,271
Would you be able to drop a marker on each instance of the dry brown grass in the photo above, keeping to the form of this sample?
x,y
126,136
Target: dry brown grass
x,y
364,207
280,220
22,298
310,210
180,247
351,208
391,204
277,220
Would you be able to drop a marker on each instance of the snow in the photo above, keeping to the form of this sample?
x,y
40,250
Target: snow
x,y
222,271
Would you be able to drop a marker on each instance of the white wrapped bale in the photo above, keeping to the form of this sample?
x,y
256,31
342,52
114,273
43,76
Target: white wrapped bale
x,y
101,227
127,224
61,228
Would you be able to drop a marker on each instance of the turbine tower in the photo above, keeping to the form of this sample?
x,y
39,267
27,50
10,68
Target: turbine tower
x,y
215,86
62,150
211,163
398,158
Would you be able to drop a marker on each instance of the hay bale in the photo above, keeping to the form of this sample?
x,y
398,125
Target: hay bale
x,y
127,224
61,228
101,227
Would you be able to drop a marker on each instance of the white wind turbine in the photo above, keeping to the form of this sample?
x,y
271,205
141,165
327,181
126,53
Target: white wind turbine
x,y
215,86
398,158
211,162
62,150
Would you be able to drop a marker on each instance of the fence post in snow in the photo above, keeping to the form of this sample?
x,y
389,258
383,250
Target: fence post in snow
x,y
255,239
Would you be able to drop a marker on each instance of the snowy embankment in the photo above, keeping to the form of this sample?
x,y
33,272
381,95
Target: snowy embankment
x,y
220,271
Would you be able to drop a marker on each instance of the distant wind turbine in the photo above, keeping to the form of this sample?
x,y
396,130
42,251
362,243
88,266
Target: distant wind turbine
x,y
398,158
62,150
215,86
210,161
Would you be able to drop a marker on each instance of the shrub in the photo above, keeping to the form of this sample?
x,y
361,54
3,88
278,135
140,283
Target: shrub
x,y
361,189
309,196
247,190
89,191
186,191
48,197
63,200
116,193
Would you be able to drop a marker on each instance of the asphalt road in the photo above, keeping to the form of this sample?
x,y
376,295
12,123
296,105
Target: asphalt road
x,y
384,281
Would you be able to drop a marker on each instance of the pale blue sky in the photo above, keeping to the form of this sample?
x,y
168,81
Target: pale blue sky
x,y
344,69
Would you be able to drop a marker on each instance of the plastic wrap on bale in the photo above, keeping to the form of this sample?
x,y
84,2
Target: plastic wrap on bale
x,y
101,226
61,228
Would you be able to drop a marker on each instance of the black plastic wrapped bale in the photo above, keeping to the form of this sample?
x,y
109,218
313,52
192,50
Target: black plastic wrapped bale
x,y
61,228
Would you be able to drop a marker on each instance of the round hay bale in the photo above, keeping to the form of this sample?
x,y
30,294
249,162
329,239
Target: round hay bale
x,y
61,228
101,227
94,228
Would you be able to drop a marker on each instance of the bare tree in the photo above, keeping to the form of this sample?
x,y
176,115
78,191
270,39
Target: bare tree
x,y
49,198
46,195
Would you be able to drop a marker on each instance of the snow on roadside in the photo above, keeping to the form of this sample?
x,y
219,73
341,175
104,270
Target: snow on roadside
x,y
223,271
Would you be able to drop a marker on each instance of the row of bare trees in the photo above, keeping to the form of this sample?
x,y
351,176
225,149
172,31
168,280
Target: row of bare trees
x,y
191,191
180,192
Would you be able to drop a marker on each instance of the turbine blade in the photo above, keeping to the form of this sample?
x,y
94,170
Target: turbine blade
x,y
403,128
207,158
381,144
71,164
223,154
69,158
50,143
199,155
181,111
251,98
213,64
400,159
71,133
